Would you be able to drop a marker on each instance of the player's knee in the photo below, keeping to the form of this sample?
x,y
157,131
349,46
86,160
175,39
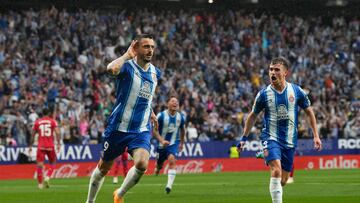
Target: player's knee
x,y
104,166
276,172
172,164
142,165
104,171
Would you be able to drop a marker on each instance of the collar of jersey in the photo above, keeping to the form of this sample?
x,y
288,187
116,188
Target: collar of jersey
x,y
172,116
140,68
278,91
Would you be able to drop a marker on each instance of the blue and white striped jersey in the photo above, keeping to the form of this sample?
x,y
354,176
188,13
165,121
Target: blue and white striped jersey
x,y
169,126
281,113
135,90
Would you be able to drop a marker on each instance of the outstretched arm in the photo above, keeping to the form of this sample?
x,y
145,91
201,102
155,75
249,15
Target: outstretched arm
x,y
249,123
312,120
114,67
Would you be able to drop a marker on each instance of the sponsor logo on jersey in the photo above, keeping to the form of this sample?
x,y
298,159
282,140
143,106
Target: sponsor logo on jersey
x,y
282,112
145,90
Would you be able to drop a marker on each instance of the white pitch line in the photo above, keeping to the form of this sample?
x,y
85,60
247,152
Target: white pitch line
x,y
355,184
114,185
162,184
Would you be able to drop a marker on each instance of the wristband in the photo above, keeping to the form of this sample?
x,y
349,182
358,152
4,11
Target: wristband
x,y
242,139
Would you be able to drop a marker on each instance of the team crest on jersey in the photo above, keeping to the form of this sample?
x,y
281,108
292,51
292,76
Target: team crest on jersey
x,y
282,112
291,98
145,90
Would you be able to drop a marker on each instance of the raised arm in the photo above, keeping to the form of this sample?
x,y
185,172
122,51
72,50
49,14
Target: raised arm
x,y
114,67
312,120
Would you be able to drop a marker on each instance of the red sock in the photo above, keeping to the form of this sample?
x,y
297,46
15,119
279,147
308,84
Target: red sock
x,y
39,174
50,171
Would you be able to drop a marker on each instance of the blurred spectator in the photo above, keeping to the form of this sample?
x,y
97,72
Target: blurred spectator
x,y
203,137
192,133
65,131
352,128
84,129
215,62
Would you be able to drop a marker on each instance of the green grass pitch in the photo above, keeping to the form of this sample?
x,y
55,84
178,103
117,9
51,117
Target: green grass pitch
x,y
310,186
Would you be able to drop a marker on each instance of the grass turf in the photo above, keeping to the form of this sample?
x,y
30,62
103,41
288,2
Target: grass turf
x,y
310,186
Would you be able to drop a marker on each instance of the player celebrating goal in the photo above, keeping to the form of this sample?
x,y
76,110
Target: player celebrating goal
x,y
172,130
280,101
46,128
129,124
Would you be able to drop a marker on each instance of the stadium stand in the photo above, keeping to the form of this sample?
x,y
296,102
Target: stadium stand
x,y
215,61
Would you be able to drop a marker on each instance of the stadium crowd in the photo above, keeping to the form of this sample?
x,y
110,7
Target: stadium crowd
x,y
214,61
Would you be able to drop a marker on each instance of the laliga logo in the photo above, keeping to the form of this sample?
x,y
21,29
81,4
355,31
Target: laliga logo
x,y
189,167
338,162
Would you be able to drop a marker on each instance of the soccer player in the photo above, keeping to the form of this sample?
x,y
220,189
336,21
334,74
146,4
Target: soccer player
x,y
121,160
129,124
172,129
46,129
280,101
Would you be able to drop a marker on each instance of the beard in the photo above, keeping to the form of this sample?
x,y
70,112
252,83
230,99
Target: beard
x,y
146,59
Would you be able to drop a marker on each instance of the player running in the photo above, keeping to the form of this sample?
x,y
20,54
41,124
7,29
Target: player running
x,y
129,123
280,101
172,129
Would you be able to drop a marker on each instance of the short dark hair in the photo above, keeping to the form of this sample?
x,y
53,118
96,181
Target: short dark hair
x,y
282,61
46,111
172,96
145,35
